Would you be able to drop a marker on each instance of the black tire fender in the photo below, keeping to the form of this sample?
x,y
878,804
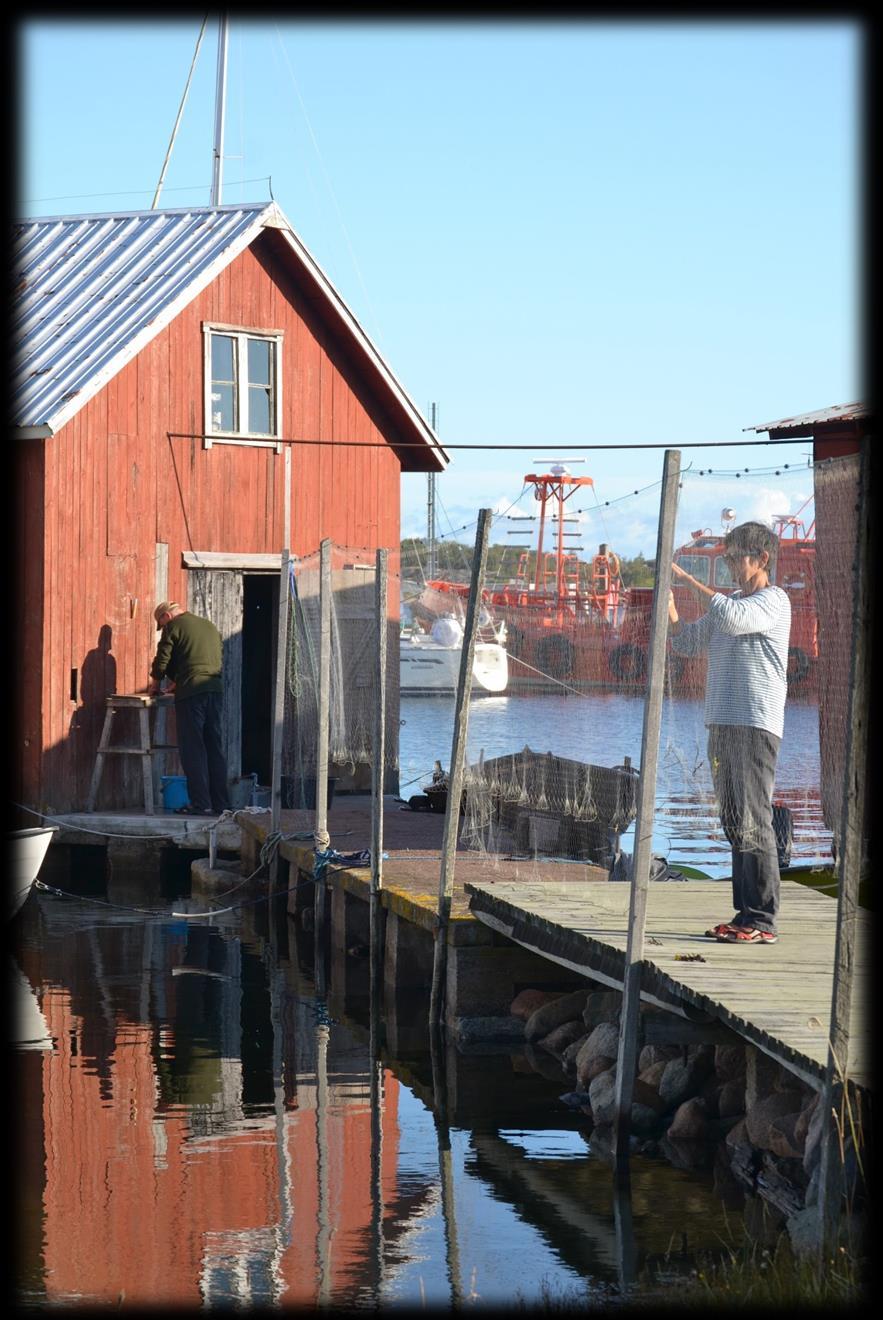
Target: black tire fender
x,y
628,662
555,656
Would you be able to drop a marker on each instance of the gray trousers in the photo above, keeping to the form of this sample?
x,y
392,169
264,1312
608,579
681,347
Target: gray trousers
x,y
201,749
743,769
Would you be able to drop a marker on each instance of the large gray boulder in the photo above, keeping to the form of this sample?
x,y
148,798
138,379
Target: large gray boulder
x,y
528,1001
681,1080
602,1097
593,1067
729,1062
761,1115
549,1016
651,1054
558,1040
568,1057
603,1041
602,1006
689,1122
783,1137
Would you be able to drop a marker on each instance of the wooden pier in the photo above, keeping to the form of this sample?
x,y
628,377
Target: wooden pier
x,y
776,997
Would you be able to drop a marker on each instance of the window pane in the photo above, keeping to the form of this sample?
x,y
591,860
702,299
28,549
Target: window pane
x,y
259,415
695,565
223,413
722,575
222,358
259,351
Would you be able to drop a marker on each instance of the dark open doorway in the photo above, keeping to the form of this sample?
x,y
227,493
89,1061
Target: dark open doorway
x,y
259,613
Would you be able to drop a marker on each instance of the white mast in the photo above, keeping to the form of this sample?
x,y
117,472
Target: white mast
x,y
220,100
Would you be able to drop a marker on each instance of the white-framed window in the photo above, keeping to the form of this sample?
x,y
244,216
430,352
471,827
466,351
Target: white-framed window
x,y
243,385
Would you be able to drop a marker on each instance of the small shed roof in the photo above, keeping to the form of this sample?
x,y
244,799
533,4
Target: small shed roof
x,y
808,423
92,290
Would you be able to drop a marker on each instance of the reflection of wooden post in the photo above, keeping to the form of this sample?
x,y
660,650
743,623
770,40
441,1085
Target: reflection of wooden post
x,y
628,1031
323,1218
321,838
455,775
378,775
376,1172
279,709
849,872
626,1256
446,1173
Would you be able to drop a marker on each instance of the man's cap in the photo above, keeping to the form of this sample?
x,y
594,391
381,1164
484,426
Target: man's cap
x,y
167,607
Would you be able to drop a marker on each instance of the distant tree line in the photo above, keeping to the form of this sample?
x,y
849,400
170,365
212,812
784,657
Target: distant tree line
x,y
454,563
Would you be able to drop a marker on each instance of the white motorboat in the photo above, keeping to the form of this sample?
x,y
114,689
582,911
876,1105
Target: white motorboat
x,y
27,851
430,662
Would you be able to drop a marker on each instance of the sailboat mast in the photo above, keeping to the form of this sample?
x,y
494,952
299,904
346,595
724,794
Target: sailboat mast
x,y
220,102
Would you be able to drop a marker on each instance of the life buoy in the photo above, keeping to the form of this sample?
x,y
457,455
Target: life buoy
x,y
798,665
555,656
628,662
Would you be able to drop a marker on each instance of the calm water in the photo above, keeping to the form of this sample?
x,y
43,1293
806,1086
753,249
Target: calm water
x,y
202,1131
605,727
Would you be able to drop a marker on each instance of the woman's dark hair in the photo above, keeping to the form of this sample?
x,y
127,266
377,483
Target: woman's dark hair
x,y
752,538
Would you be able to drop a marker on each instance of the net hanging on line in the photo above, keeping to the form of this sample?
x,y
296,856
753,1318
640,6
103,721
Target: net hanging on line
x,y
528,790
353,696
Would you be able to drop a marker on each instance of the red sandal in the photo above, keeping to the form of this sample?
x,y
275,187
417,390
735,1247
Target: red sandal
x,y
743,936
718,932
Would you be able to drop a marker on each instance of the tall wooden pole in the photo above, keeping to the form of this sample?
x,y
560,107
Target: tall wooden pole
x,y
849,871
321,838
456,772
377,779
281,668
634,956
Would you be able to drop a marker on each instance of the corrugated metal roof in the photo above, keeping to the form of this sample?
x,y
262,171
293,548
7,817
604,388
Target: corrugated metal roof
x,y
840,412
92,290
91,287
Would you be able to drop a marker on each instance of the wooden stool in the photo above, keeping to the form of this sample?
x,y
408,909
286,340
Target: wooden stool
x,y
144,749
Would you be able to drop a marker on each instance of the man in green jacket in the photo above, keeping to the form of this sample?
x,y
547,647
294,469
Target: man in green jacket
x,y
189,654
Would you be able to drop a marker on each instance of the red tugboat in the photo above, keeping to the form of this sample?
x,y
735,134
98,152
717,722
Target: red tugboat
x,y
572,623
563,616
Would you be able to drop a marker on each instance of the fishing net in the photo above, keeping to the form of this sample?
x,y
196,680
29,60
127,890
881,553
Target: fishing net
x,y
353,694
553,762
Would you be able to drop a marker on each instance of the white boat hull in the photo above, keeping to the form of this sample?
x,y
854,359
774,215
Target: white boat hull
x,y
427,666
27,850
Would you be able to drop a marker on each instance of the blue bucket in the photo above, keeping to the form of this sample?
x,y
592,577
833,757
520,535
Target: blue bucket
x,y
174,791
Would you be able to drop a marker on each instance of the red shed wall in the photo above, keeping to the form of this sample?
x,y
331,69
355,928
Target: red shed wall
x,y
117,482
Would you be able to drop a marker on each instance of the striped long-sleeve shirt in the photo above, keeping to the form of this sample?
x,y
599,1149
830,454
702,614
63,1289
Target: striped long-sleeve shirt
x,y
747,642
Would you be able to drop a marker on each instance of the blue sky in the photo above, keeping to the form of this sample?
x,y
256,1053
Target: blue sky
x,y
581,233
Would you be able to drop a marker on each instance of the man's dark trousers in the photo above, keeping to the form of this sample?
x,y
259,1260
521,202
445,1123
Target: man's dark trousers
x,y
201,749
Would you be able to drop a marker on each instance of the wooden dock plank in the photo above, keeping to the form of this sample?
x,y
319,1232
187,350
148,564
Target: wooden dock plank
x,y
778,997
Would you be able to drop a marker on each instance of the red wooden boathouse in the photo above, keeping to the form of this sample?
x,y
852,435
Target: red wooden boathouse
x,y
165,360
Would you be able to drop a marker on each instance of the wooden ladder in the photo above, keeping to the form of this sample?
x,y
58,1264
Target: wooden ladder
x,y
145,749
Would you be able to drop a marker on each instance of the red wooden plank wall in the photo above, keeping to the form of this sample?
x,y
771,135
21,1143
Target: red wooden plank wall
x,y
116,483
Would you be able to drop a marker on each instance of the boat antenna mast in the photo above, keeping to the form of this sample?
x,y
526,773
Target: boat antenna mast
x,y
220,102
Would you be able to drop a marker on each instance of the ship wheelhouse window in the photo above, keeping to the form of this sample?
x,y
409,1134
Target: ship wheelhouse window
x,y
723,576
696,565
243,383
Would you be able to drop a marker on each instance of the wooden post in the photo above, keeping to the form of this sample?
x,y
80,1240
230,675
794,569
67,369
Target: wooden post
x,y
377,781
849,871
321,838
628,1031
281,666
279,708
455,775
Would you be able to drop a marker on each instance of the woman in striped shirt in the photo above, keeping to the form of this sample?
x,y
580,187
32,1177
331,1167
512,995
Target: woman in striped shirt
x,y
746,636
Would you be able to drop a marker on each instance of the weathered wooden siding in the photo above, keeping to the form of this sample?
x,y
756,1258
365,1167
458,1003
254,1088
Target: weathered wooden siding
x,y
118,479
